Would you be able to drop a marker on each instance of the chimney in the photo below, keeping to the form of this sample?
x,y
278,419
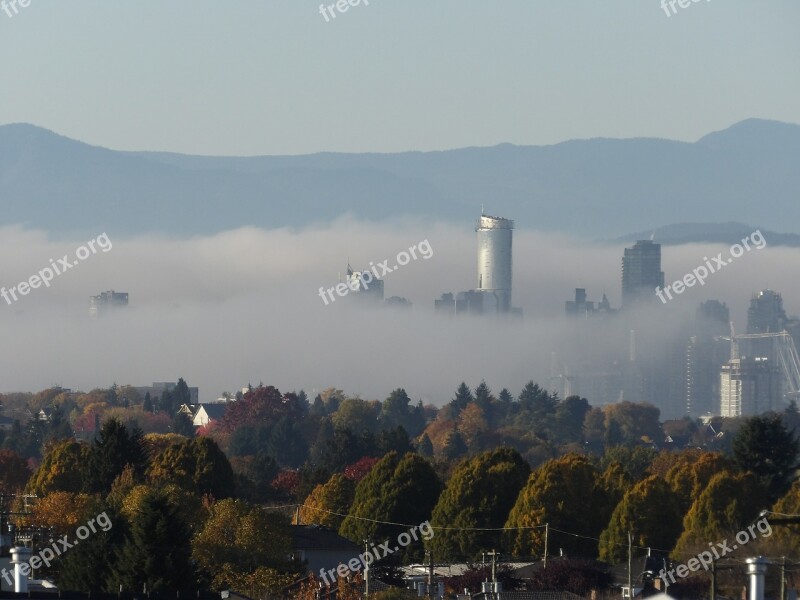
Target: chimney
x,y
756,567
19,557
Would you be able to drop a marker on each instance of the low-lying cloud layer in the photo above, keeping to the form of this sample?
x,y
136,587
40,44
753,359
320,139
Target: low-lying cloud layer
x,y
243,306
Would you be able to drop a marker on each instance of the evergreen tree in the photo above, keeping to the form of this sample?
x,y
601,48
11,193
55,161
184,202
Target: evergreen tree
x,y
480,494
454,446
425,446
764,446
114,448
286,443
182,425
147,405
397,489
88,566
156,554
463,398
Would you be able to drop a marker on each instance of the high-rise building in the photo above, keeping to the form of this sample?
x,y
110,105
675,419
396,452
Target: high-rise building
x,y
749,386
105,301
641,273
766,314
494,259
493,295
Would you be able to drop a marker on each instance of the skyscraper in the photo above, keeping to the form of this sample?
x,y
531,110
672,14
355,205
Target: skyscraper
x,y
641,273
766,314
494,259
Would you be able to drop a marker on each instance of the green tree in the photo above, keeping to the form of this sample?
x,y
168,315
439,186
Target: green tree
x,y
14,472
397,489
287,444
425,446
727,505
89,566
156,552
454,446
569,494
570,415
764,446
182,425
113,449
480,494
356,415
196,465
650,511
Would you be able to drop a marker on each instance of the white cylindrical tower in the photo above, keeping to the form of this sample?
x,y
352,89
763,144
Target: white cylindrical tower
x,y
494,258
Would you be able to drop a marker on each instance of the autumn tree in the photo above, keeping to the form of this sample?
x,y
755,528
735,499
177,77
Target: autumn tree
x,y
329,503
568,494
689,478
480,494
239,539
726,505
63,469
786,536
63,511
650,512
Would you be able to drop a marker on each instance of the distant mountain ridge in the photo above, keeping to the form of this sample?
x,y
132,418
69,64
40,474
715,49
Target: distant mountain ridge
x,y
710,233
599,188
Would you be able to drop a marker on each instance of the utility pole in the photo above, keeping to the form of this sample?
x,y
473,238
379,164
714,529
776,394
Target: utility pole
x,y
783,578
366,570
630,560
546,535
493,554
713,579
430,574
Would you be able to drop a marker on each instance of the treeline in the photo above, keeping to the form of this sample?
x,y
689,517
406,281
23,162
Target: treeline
x,y
489,472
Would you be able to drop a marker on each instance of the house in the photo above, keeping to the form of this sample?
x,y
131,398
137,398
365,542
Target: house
x,y
208,413
5,423
319,547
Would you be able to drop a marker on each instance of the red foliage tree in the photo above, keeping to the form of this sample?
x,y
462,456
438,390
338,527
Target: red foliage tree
x,y
359,469
262,405
287,483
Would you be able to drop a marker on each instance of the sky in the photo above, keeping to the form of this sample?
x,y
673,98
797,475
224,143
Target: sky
x,y
247,77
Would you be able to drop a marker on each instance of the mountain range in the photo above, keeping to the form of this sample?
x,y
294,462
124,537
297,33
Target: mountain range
x,y
596,188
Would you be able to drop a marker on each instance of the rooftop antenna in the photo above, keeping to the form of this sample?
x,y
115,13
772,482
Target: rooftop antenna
x,y
653,235
483,213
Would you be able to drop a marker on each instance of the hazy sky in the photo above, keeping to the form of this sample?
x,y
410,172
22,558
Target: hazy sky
x,y
273,77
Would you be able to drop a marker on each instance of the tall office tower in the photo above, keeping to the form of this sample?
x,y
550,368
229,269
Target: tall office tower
x,y
706,351
641,273
749,386
106,301
766,314
494,262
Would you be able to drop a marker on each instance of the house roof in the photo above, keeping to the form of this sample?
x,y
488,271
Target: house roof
x,y
214,411
317,537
